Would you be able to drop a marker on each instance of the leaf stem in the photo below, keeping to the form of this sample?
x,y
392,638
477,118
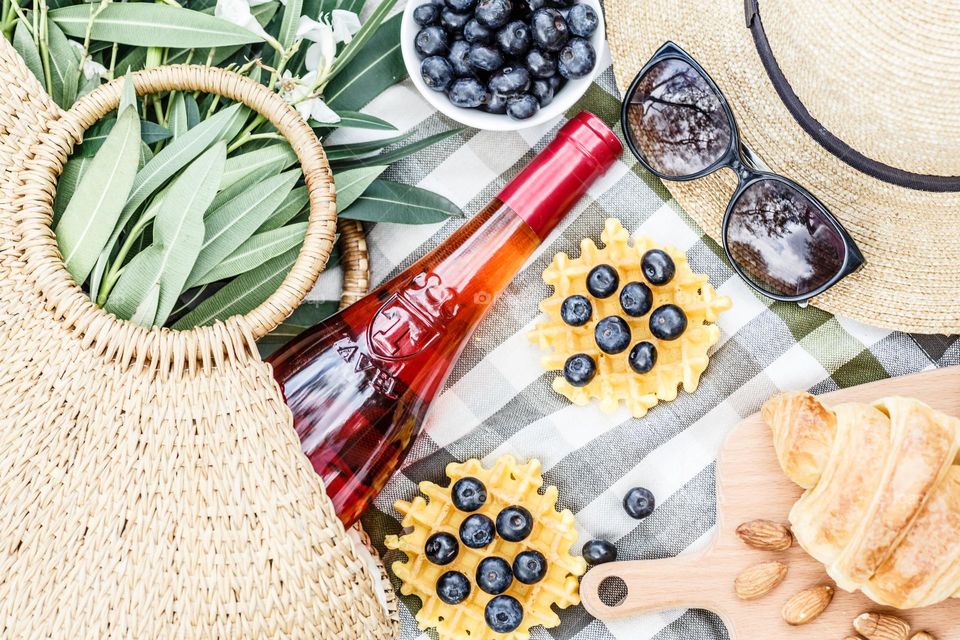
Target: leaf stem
x,y
116,269
44,46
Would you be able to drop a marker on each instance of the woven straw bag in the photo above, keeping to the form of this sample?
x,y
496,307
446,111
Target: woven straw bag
x,y
151,484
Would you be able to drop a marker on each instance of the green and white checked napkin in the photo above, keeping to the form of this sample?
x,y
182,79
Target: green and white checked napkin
x,y
499,400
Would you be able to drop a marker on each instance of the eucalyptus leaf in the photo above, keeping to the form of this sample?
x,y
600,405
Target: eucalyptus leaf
x,y
351,5
97,202
177,238
128,96
293,204
147,24
150,132
64,67
350,184
276,156
147,310
397,154
177,122
376,67
232,224
386,201
364,35
146,154
358,120
358,150
71,176
288,27
255,251
242,295
27,48
193,111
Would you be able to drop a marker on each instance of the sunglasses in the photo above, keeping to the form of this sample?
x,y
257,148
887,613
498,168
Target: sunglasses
x,y
779,238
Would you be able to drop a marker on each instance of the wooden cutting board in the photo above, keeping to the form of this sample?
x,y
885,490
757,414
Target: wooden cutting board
x,y
751,485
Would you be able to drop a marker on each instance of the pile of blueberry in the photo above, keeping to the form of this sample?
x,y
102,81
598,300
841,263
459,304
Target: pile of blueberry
x,y
494,574
612,334
639,503
504,56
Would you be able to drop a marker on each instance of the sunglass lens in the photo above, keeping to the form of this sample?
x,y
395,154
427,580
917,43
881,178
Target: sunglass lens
x,y
782,241
676,120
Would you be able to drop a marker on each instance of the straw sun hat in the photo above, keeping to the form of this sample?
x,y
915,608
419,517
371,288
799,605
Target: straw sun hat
x,y
858,101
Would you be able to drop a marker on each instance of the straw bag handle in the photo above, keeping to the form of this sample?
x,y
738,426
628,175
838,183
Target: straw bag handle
x,y
122,338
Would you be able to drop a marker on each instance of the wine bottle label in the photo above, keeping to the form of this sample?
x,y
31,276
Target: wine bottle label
x,y
412,318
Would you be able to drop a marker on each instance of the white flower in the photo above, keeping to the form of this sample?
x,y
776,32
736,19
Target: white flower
x,y
321,53
238,12
345,24
299,93
91,68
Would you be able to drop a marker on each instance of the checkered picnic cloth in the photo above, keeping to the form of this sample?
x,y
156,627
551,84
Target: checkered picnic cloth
x,y
499,400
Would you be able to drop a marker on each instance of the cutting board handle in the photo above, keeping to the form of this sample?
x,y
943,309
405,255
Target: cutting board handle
x,y
687,581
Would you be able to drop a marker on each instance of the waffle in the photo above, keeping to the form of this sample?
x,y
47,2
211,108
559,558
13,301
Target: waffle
x,y
680,361
508,483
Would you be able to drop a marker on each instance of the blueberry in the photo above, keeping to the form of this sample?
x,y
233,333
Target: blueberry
x,y
477,531
562,4
468,494
459,58
467,92
494,575
494,13
509,81
639,503
514,39
556,82
603,281
462,6
577,59
485,58
514,523
476,33
496,104
503,614
431,41
522,107
599,552
582,20
579,370
426,14
453,587
453,22
642,357
542,90
540,64
437,72
529,567
636,299
658,267
668,322
441,548
576,310
529,6
550,30
612,334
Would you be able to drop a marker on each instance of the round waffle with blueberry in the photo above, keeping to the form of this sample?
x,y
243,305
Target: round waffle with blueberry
x,y
630,322
489,555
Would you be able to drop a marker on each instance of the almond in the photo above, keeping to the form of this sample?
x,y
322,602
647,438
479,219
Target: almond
x,y
923,635
807,605
879,626
766,535
759,580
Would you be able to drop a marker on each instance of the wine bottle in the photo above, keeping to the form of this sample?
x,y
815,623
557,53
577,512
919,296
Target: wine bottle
x,y
359,384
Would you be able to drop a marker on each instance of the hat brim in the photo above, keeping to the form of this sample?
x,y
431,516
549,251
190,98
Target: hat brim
x,y
909,237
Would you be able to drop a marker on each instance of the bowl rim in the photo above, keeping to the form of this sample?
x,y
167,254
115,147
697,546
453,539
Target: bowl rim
x,y
489,121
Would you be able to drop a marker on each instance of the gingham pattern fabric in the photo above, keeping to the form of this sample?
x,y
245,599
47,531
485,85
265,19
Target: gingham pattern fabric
x,y
498,399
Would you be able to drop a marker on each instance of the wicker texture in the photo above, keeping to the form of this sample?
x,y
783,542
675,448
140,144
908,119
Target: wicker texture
x,y
151,485
355,261
878,74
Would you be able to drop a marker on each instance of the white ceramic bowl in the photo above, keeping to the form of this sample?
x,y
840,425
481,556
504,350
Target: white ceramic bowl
x,y
568,95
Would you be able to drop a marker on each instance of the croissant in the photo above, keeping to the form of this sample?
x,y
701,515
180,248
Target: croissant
x,y
881,509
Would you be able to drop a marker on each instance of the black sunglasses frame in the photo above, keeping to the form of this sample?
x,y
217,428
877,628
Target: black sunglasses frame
x,y
737,158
